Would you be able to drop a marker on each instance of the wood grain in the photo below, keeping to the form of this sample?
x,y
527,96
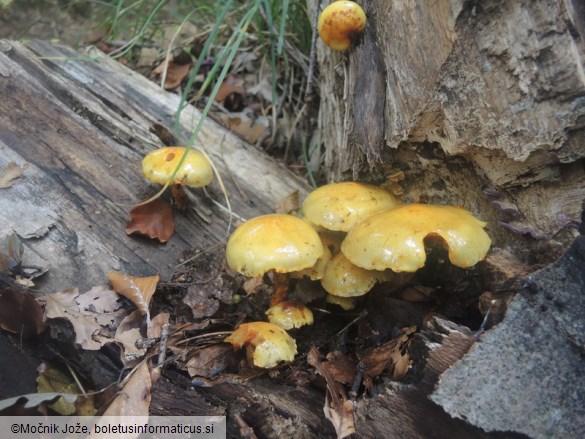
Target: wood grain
x,y
83,122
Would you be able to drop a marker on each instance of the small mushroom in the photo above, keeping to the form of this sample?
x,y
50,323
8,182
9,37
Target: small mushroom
x,y
278,242
341,23
342,278
347,303
290,314
271,344
394,238
159,165
338,206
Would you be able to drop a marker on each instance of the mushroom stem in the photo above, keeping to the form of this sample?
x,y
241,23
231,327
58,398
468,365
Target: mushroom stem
x,y
280,282
180,198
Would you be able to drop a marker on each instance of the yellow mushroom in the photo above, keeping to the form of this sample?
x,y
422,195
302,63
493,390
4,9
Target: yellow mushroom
x,y
290,314
341,23
278,242
347,303
159,165
342,278
394,238
338,206
271,343
316,271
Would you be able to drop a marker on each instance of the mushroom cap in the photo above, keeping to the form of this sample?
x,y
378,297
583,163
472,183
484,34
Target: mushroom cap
x,y
394,238
341,23
342,278
338,206
278,242
290,314
271,343
347,303
317,271
159,165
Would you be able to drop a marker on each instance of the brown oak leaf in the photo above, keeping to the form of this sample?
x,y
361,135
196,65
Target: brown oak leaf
x,y
154,219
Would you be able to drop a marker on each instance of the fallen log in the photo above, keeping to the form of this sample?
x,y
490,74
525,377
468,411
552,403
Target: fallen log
x,y
81,123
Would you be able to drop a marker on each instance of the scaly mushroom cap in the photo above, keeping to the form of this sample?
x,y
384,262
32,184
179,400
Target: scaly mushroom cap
x,y
394,238
271,343
290,314
342,278
159,165
341,23
283,243
338,206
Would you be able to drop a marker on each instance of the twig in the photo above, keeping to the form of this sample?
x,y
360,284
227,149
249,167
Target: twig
x,y
357,380
74,375
485,320
162,350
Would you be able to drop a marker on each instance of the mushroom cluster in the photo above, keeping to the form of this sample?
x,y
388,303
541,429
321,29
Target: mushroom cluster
x,y
352,236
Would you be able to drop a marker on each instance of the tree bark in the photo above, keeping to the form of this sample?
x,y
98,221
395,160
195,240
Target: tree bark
x,y
480,104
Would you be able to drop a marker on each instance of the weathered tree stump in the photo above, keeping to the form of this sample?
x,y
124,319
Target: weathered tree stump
x,y
480,104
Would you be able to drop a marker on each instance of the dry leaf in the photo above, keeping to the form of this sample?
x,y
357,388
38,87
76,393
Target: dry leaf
x,y
338,408
391,354
63,305
23,281
201,301
99,300
251,285
158,322
104,305
139,290
288,204
51,380
210,361
341,367
154,219
250,128
10,173
94,314
133,401
127,334
147,56
11,254
175,73
342,416
20,314
230,93
231,84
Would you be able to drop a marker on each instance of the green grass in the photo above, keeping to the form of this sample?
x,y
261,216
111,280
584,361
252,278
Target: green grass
x,y
279,28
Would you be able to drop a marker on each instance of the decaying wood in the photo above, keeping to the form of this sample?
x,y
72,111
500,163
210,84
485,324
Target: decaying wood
x,y
527,375
278,410
82,123
479,103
